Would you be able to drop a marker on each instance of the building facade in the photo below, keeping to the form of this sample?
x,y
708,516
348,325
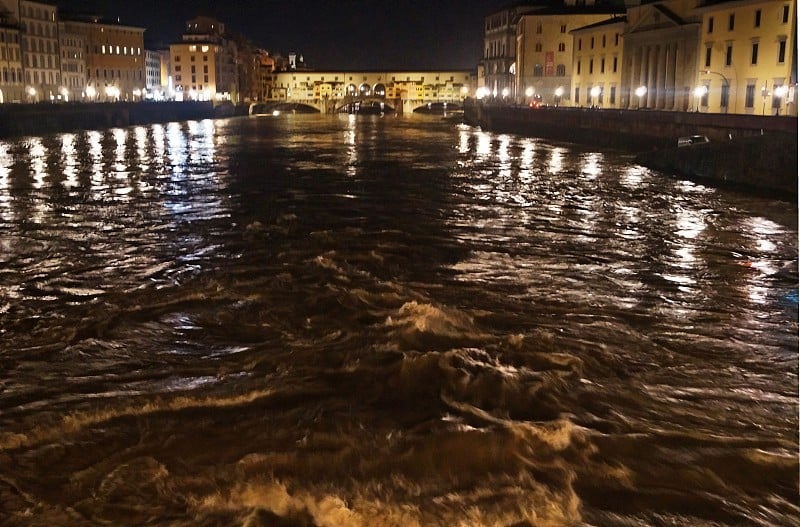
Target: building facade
x,y
12,85
115,59
73,65
40,50
156,73
597,64
747,57
204,65
500,49
544,64
430,86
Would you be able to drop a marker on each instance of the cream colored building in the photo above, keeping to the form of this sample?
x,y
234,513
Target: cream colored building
x,y
597,64
73,65
746,54
544,53
40,55
12,85
115,59
204,65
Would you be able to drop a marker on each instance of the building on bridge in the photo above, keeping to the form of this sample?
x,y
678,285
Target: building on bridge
x,y
329,90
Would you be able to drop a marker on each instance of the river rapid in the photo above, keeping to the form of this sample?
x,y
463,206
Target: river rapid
x,y
343,321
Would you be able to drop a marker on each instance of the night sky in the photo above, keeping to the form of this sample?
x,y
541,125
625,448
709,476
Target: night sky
x,y
330,34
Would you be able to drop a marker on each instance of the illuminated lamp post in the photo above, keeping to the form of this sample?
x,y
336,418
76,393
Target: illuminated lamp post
x,y
699,93
90,92
640,92
559,93
780,91
595,93
31,91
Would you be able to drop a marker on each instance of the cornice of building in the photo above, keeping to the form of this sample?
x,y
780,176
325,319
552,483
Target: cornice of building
x,y
97,22
705,6
617,20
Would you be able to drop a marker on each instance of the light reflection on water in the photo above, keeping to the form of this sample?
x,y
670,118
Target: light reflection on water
x,y
361,311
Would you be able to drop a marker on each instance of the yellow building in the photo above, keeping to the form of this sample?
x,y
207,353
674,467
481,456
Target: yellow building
x,y
115,59
746,56
12,85
203,66
597,64
545,50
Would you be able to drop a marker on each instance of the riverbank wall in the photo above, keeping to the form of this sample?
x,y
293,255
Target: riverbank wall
x,y
753,152
42,118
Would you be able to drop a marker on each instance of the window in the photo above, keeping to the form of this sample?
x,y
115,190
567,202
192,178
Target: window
x,y
785,16
754,54
731,21
538,70
616,39
711,24
708,56
758,18
781,51
724,95
750,95
538,46
704,98
591,66
562,47
564,26
602,65
580,44
591,43
561,70
615,65
604,41
729,55
177,68
539,28
612,96
578,68
577,95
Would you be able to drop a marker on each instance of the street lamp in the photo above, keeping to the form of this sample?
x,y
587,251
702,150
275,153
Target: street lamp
x,y
90,92
640,92
31,91
559,92
595,93
780,92
699,93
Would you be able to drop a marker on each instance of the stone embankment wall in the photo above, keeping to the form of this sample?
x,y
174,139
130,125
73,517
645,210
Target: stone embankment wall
x,y
756,152
42,118
765,164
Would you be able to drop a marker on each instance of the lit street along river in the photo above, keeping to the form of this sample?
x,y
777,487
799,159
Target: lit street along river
x,y
338,321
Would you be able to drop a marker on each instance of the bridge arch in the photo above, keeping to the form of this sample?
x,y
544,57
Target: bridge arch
x,y
379,90
364,90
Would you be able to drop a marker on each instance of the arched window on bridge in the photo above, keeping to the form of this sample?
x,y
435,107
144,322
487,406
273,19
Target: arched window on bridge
x,y
364,90
379,90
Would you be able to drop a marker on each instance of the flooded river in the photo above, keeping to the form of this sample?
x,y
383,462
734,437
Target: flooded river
x,y
343,321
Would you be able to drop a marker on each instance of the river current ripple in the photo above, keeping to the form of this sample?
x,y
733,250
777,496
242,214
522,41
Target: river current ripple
x,y
387,321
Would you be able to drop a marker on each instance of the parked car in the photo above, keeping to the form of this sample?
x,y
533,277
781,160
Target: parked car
x,y
692,140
